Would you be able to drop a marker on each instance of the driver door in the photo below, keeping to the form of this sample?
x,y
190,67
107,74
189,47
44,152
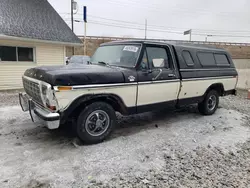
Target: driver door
x,y
158,85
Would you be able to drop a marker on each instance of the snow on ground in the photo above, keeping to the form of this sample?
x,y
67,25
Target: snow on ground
x,y
152,149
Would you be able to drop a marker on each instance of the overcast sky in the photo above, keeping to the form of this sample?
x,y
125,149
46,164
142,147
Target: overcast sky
x,y
166,19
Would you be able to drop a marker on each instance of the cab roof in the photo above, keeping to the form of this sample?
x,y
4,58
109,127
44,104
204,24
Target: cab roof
x,y
174,44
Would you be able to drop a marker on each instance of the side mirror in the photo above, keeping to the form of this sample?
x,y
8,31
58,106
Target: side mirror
x,y
159,62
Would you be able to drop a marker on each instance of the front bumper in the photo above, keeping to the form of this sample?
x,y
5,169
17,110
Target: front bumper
x,y
38,113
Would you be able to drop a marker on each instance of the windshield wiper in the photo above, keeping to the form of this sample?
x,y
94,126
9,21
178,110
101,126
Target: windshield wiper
x,y
103,63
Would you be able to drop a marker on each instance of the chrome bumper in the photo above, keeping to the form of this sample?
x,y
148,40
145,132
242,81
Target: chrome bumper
x,y
38,113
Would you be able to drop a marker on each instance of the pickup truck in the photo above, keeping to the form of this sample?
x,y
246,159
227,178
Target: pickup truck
x,y
128,77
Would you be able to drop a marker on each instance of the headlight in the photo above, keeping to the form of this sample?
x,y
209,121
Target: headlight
x,y
44,90
49,99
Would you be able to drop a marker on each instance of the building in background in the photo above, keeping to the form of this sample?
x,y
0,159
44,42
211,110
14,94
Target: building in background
x,y
31,34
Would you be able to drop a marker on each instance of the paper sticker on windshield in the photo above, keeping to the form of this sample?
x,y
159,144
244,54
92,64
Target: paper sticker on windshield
x,y
131,48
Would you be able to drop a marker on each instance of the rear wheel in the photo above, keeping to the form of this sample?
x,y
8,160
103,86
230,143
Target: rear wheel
x,y
210,103
96,122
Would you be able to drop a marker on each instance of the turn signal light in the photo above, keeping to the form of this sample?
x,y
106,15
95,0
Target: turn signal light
x,y
64,88
51,107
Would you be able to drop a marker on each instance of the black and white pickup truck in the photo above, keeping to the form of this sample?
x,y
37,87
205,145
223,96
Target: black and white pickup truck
x,y
127,77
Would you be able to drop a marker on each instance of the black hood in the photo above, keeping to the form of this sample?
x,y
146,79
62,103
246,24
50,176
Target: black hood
x,y
77,74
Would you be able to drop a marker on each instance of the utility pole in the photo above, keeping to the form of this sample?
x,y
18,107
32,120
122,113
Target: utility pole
x,y
72,15
72,23
145,28
190,35
85,42
85,29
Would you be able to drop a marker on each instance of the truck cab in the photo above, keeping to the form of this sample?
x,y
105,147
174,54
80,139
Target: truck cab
x,y
127,77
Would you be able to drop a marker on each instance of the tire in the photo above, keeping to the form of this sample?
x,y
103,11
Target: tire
x,y
208,106
95,122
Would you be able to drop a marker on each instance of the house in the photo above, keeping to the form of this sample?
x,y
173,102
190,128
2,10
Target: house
x,y
31,34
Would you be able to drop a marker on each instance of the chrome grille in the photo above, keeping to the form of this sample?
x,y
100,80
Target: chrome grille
x,y
33,90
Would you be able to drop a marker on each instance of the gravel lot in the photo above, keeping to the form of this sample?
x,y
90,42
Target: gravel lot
x,y
158,149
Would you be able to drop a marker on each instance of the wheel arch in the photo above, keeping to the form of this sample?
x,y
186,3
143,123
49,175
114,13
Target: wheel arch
x,y
219,87
74,109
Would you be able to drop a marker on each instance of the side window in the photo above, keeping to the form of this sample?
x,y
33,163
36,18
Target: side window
x,y
206,59
188,58
221,59
159,57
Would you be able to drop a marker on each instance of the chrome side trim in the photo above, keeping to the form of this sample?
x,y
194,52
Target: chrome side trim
x,y
119,84
141,83
103,85
216,69
208,78
159,81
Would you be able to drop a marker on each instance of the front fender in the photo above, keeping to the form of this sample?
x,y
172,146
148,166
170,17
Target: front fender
x,y
79,103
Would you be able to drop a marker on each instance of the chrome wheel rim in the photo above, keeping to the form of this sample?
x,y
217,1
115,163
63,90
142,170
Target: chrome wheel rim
x,y
97,123
211,103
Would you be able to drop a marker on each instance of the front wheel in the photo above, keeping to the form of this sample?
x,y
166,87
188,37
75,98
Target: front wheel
x,y
210,103
96,122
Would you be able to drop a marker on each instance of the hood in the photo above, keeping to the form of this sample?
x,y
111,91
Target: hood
x,y
76,75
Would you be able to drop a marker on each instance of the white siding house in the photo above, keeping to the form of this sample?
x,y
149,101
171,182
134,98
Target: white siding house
x,y
38,43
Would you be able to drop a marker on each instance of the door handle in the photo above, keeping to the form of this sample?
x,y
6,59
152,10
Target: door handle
x,y
171,75
149,71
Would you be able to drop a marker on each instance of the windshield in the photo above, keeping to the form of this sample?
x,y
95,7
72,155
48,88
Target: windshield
x,y
118,55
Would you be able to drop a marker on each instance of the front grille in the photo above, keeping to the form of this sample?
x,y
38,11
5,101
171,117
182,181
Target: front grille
x,y
33,90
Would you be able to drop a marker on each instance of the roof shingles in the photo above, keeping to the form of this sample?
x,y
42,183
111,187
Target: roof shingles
x,y
34,19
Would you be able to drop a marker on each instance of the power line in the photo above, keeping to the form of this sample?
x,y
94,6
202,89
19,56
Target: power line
x,y
219,35
132,2
175,10
129,27
111,24
201,32
186,12
116,20
157,30
109,19
205,31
